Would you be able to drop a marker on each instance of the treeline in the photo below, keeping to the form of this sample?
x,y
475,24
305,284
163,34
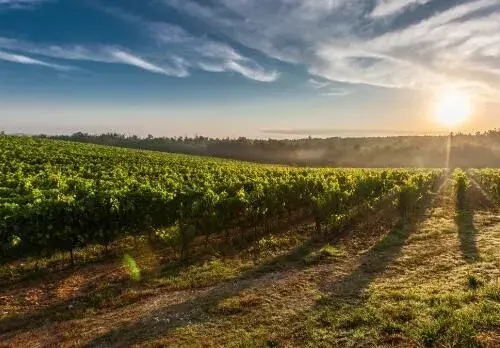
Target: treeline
x,y
465,150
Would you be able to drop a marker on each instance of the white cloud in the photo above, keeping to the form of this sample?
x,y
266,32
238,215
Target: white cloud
x,y
325,88
389,43
248,69
217,50
252,72
17,58
130,59
207,54
353,41
166,33
391,7
169,65
210,67
198,52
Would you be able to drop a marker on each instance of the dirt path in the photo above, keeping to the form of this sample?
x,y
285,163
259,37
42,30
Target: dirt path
x,y
382,261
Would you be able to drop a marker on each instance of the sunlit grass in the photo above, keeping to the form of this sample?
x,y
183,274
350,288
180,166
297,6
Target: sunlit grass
x,y
132,269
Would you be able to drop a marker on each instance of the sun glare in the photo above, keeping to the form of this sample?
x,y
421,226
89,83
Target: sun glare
x,y
453,108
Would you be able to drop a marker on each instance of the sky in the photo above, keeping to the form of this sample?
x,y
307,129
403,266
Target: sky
x,y
254,68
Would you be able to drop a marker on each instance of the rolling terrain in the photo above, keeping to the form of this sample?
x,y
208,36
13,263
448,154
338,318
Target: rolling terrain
x,y
409,258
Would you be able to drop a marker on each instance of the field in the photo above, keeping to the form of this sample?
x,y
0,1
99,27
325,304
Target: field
x,y
112,247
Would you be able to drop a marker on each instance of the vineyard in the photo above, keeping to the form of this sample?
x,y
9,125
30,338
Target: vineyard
x,y
317,256
60,196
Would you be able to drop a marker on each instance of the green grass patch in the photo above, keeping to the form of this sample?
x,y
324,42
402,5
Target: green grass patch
x,y
199,275
325,254
421,315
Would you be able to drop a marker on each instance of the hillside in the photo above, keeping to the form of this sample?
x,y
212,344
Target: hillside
x,y
467,151
107,247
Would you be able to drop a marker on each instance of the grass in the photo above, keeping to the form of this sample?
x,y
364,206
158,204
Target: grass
x,y
326,253
241,303
474,282
200,275
417,316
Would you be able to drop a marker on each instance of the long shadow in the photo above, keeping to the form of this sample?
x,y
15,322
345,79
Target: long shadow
x,y
58,312
467,231
467,234
99,291
71,308
76,306
90,298
58,265
373,263
379,257
165,319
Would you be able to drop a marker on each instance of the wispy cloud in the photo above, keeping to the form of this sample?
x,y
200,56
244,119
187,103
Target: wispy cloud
x,y
338,132
313,83
254,73
326,89
20,59
20,4
170,65
390,43
337,92
212,56
198,51
392,7
130,59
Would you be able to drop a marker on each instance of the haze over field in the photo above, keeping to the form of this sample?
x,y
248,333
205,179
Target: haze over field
x,y
279,69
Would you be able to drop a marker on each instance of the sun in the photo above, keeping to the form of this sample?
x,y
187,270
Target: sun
x,y
453,108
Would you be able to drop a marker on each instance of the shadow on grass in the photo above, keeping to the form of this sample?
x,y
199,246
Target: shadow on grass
x,y
104,297
97,286
95,298
14,272
467,230
379,257
99,295
341,306
166,319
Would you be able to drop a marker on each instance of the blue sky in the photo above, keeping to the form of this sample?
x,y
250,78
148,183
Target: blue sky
x,y
258,68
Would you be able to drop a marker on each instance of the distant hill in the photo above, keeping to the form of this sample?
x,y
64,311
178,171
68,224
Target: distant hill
x,y
466,150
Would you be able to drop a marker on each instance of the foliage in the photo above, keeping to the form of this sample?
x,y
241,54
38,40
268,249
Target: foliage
x,y
462,184
489,180
58,196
